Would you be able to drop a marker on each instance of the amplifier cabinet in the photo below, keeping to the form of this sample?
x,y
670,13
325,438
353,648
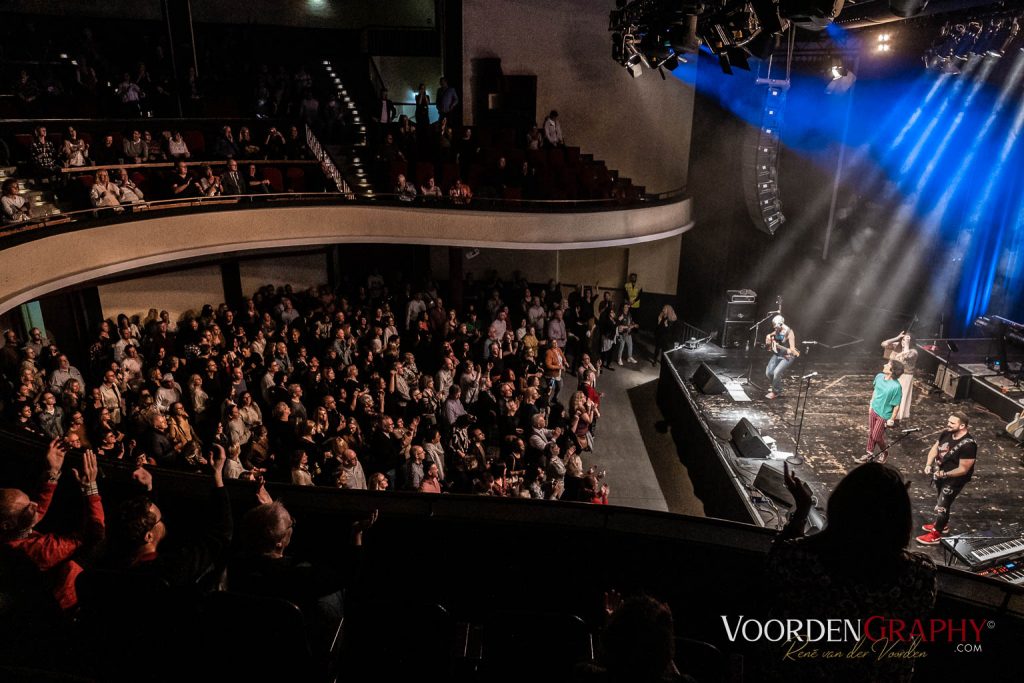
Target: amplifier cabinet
x,y
737,334
954,381
740,310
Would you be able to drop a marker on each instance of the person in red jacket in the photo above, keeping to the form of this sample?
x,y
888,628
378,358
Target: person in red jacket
x,y
53,553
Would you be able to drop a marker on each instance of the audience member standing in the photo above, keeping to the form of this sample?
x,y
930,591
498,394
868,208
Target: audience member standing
x,y
553,131
422,111
447,101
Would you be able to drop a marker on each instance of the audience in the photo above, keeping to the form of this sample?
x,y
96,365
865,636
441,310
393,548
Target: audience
x,y
324,388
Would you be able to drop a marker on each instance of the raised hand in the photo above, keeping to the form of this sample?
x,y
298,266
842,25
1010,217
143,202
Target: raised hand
x,y
612,602
366,523
143,476
798,489
55,456
217,459
90,470
263,496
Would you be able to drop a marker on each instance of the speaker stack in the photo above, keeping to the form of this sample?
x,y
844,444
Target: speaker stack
x,y
740,314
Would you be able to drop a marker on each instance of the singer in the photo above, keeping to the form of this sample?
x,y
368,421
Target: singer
x,y
782,343
884,402
951,464
901,348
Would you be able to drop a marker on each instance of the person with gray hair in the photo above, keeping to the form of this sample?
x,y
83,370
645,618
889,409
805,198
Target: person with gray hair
x,y
262,568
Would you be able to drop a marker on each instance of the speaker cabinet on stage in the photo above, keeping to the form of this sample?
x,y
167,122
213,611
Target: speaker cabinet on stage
x,y
706,381
737,334
954,381
771,481
748,440
741,311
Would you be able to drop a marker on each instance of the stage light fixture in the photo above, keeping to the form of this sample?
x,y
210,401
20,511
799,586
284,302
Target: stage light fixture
x,y
1001,35
732,29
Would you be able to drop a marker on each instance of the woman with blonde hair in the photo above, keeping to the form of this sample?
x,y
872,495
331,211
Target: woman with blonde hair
x,y
665,332
583,416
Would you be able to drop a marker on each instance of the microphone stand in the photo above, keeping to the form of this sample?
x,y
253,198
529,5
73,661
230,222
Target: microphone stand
x,y
801,408
756,329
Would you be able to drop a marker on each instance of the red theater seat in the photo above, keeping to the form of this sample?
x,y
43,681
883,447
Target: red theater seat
x,y
195,141
296,179
274,176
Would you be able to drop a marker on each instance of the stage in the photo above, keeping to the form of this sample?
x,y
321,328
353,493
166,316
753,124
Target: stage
x,y
834,432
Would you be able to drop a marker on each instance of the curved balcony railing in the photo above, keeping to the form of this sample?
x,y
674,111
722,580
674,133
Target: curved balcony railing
x,y
68,220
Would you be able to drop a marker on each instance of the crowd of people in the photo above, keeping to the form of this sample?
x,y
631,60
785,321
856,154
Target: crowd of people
x,y
361,390
230,153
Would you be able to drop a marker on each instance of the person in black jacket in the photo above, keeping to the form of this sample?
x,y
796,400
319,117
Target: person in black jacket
x,y
666,332
233,181
155,443
137,532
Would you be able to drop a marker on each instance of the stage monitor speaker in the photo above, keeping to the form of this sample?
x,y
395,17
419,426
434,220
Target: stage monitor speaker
x,y
954,381
740,311
772,482
706,381
748,440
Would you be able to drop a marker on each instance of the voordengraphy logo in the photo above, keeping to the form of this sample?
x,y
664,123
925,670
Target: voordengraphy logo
x,y
851,630
880,636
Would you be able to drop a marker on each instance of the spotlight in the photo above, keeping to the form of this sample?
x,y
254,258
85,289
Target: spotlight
x,y
1000,35
968,41
655,47
840,84
633,65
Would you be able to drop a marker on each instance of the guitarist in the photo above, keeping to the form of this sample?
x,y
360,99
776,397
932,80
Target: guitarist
x,y
782,343
951,464
624,339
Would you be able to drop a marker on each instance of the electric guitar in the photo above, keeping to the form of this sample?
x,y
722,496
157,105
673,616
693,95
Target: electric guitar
x,y
787,352
1016,427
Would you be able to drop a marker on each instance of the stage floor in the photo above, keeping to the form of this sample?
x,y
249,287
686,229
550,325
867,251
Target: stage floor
x,y
835,432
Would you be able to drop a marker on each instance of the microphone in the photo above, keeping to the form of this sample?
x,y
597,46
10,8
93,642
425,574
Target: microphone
x,y
810,343
910,431
813,374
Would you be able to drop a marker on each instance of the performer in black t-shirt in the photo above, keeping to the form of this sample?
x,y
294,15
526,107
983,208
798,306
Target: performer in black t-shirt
x,y
951,464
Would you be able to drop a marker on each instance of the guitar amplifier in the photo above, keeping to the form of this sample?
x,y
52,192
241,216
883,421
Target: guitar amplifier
x,y
737,334
740,310
954,381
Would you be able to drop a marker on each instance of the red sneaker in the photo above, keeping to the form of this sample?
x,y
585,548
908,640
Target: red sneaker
x,y
930,538
931,527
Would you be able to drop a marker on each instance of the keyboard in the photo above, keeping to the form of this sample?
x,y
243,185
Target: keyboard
x,y
1010,572
978,553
